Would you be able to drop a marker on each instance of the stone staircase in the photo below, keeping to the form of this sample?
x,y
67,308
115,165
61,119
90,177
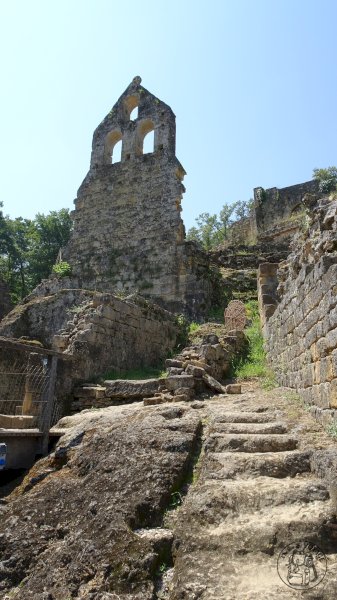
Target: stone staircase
x,y
256,494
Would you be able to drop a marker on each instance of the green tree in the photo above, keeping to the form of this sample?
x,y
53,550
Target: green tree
x,y
327,179
5,236
213,230
51,232
209,230
14,256
29,248
193,234
226,214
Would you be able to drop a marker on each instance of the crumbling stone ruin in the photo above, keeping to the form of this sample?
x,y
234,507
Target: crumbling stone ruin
x,y
238,266
274,217
299,307
99,332
198,368
263,236
128,233
277,211
128,240
162,489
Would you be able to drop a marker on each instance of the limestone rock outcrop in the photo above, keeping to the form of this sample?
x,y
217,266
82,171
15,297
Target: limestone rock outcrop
x,y
70,531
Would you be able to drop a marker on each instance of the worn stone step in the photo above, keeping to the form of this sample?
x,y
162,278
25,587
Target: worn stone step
x,y
244,417
217,500
228,465
218,442
254,578
250,577
268,529
250,428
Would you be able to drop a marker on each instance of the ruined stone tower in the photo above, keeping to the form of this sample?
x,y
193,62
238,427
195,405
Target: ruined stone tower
x,y
128,233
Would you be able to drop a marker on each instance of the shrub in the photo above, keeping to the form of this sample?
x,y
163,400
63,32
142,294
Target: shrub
x,y
62,269
327,179
183,331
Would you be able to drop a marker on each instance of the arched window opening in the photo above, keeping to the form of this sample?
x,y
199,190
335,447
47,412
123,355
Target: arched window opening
x,y
148,142
131,107
145,137
113,147
117,152
134,114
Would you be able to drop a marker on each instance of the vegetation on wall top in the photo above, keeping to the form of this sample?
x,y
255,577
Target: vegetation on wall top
x,y
327,178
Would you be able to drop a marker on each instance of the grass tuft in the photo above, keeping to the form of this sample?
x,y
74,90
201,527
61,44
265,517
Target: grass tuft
x,y
332,430
254,362
193,327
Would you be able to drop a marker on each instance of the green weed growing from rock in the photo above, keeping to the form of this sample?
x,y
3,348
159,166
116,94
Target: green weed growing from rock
x,y
254,362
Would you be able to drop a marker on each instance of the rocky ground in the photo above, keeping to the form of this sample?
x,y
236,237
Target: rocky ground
x,y
181,501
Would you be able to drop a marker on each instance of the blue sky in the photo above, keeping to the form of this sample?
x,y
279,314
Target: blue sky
x,y
253,85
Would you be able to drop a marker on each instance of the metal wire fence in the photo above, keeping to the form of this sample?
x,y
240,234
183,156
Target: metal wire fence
x,y
27,382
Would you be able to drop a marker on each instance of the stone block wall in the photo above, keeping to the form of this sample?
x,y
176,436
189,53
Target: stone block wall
x,y
301,333
113,334
276,208
267,291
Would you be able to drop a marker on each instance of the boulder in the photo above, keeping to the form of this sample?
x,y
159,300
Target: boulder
x,y
172,362
213,384
177,381
195,371
233,388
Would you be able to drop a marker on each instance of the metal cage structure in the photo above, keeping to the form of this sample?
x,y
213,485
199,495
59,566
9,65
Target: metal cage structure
x,y
27,387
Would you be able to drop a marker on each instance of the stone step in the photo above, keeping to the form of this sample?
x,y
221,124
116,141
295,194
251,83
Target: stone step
x,y
218,442
244,417
256,578
17,421
227,465
249,428
218,500
252,578
268,529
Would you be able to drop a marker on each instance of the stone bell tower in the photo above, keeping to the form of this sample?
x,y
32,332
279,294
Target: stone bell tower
x,y
128,233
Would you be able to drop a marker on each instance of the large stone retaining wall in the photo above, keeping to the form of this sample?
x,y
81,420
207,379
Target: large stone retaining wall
x,y
113,334
301,333
99,331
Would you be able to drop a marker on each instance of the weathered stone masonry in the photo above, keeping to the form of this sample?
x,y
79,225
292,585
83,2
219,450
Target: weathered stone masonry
x,y
99,331
278,204
128,233
128,239
301,334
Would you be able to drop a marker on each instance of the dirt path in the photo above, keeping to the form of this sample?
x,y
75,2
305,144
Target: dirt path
x,y
258,490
